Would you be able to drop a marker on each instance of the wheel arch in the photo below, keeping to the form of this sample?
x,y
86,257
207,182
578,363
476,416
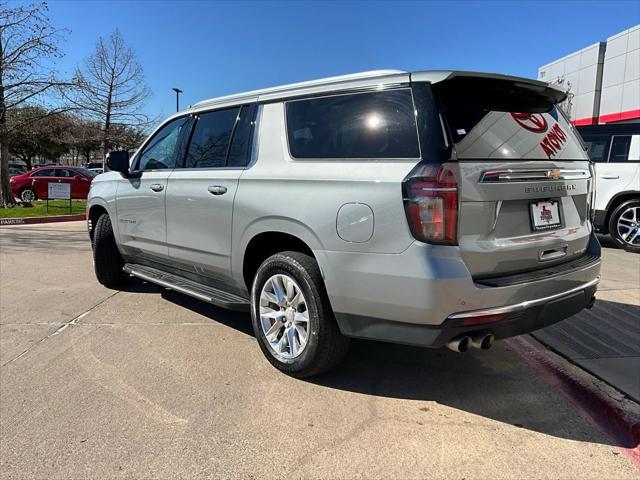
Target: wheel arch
x,y
266,243
616,200
93,213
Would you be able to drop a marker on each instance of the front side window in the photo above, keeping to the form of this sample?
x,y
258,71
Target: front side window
x,y
625,148
163,150
210,139
364,125
45,172
597,147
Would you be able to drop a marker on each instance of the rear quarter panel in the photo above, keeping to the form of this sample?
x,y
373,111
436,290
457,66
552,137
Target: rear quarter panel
x,y
303,197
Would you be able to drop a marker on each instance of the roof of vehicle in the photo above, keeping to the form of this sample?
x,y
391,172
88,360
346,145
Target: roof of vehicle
x,y
354,81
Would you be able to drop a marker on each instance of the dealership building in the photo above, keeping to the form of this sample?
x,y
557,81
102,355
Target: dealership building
x,y
602,80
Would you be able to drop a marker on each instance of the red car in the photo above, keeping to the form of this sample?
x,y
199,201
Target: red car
x,y
32,185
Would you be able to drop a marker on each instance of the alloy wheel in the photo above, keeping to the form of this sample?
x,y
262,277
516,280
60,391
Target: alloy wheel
x,y
284,316
629,226
27,196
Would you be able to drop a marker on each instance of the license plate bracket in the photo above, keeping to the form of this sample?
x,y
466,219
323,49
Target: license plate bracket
x,y
545,214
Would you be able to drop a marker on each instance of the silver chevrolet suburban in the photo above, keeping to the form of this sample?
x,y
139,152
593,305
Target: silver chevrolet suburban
x,y
437,208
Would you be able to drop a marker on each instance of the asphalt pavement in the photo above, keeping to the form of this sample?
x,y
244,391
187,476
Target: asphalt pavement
x,y
606,340
148,383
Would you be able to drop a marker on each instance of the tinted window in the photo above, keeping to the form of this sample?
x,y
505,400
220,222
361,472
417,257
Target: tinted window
x,y
240,149
597,147
625,148
365,125
210,139
45,172
63,172
86,172
164,148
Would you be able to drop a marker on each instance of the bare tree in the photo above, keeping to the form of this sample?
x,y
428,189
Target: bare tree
x,y
112,89
28,45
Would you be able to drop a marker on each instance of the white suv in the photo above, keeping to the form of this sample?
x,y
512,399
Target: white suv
x,y
616,151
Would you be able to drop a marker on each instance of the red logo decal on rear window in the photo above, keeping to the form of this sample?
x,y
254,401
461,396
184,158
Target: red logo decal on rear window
x,y
534,122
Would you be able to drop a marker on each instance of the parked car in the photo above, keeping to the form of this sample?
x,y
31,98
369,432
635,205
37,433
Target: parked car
x,y
428,208
14,172
97,171
32,185
18,167
616,151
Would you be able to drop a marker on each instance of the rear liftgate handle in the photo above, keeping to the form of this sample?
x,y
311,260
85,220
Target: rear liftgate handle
x,y
552,254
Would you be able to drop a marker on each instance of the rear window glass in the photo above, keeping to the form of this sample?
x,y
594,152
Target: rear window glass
x,y
364,125
485,133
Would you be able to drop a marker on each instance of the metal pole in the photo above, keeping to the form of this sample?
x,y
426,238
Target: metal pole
x,y
178,92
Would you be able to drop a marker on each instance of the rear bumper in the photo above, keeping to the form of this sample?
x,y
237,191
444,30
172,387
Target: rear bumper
x,y
502,322
424,295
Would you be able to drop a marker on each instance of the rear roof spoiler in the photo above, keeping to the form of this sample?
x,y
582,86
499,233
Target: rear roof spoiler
x,y
504,91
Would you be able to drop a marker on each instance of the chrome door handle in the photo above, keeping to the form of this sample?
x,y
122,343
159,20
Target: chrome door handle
x,y
217,189
157,187
610,177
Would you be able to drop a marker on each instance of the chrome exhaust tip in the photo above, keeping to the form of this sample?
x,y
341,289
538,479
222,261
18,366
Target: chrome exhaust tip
x,y
483,341
459,344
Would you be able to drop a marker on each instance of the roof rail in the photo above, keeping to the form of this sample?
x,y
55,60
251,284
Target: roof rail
x,y
294,86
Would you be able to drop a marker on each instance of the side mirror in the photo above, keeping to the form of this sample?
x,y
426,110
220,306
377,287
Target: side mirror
x,y
118,161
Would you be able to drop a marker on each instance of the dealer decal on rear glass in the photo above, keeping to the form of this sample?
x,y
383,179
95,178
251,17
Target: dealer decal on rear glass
x,y
555,138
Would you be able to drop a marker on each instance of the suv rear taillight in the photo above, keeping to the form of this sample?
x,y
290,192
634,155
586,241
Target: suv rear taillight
x,y
431,204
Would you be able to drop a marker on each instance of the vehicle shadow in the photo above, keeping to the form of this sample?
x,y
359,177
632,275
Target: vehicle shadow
x,y
497,384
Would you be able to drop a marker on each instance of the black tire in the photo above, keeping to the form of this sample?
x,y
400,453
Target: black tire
x,y
613,224
326,346
107,260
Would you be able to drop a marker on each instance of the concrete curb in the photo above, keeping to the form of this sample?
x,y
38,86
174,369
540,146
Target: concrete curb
x,y
50,219
605,407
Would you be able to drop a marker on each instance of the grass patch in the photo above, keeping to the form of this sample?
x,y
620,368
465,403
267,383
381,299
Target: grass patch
x,y
39,209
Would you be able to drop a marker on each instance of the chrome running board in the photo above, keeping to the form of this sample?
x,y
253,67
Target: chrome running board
x,y
188,287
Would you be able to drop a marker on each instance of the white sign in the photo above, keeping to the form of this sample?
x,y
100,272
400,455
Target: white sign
x,y
59,190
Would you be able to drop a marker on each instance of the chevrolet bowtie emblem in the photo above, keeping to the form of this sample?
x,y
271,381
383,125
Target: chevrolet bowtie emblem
x,y
555,174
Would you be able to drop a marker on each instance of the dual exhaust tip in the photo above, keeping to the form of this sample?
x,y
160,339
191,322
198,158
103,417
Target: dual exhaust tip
x,y
483,341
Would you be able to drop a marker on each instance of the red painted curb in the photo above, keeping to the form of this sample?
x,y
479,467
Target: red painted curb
x,y
32,220
594,404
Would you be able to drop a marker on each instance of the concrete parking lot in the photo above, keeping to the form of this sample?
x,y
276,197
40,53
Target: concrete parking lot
x,y
148,383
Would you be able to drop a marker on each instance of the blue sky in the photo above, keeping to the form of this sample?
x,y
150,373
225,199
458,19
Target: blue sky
x,y
216,48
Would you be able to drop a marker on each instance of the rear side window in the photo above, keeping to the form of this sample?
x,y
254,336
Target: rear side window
x,y
210,139
597,147
363,125
625,148
240,149
63,172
